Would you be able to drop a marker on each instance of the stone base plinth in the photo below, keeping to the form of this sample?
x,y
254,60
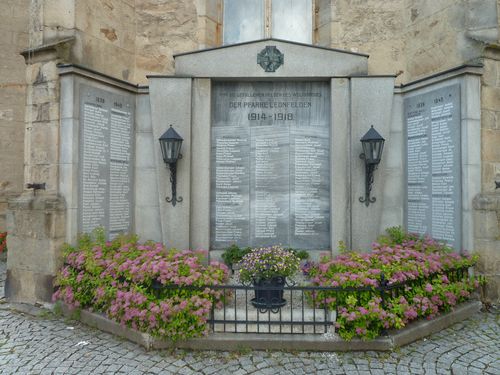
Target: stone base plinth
x,y
36,232
302,342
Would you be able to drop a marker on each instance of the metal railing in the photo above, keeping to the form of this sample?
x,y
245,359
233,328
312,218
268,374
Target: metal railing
x,y
290,308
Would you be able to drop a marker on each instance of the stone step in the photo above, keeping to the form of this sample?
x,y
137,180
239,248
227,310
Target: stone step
x,y
285,321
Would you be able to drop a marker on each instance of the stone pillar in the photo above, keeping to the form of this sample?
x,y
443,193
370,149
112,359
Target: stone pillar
x,y
36,220
36,233
487,242
209,26
487,204
340,164
200,164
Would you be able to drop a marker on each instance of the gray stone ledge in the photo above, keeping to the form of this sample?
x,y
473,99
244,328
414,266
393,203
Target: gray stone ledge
x,y
308,342
472,69
424,328
41,202
488,202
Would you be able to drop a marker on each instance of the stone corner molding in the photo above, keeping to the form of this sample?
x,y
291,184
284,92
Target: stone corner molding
x,y
270,59
59,49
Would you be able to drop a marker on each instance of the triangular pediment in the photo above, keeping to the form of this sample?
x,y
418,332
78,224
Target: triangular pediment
x,y
299,60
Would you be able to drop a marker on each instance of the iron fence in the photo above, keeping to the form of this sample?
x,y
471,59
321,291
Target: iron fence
x,y
291,308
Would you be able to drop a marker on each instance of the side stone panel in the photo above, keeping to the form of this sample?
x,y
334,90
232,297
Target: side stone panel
x,y
371,104
170,100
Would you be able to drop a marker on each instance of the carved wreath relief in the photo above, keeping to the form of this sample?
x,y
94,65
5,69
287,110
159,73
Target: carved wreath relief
x,y
270,59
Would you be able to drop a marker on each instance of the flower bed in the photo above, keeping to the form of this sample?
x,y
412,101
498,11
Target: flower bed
x,y
120,278
170,294
404,278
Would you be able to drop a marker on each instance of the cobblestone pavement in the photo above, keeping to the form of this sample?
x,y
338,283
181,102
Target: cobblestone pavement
x,y
50,345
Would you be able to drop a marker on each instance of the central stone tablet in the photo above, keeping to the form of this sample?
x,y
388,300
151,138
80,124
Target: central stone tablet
x,y
270,181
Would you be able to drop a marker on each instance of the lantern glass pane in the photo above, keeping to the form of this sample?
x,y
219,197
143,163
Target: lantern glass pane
x,y
163,149
374,149
367,151
170,150
176,149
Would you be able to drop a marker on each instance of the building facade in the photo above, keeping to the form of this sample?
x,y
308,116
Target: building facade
x,y
375,56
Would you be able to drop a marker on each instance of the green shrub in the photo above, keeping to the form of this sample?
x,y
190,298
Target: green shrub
x,y
234,254
301,254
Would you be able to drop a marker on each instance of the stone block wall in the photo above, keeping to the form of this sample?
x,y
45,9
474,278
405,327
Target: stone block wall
x,y
372,27
443,34
105,36
13,39
130,39
163,29
42,124
490,120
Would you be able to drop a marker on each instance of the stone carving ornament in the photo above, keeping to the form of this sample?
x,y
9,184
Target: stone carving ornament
x,y
270,59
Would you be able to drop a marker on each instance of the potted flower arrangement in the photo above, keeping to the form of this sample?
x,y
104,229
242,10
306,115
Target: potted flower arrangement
x,y
267,268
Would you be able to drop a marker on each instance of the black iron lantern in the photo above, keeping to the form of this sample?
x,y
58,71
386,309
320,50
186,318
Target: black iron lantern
x,y
170,145
373,145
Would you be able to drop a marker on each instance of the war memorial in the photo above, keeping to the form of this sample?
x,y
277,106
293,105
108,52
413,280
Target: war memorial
x,y
307,124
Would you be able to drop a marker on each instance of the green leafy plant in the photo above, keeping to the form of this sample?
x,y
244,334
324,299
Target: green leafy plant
x,y
234,254
301,254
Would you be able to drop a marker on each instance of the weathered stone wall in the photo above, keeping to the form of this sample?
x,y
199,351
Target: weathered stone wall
x,y
407,37
105,36
13,39
490,119
129,39
446,33
163,29
368,26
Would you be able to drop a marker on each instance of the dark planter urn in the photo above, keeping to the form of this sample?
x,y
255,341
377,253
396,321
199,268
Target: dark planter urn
x,y
269,294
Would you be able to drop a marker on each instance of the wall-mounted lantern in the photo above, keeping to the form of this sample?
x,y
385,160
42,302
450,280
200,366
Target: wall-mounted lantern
x,y
170,144
373,145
